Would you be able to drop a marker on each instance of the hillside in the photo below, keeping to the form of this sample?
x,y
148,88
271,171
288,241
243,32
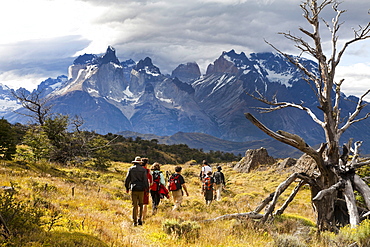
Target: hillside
x,y
83,207
208,143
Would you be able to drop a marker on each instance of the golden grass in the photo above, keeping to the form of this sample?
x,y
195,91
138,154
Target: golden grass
x,y
83,202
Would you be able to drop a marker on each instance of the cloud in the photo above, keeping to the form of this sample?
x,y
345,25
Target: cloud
x,y
51,33
356,79
25,63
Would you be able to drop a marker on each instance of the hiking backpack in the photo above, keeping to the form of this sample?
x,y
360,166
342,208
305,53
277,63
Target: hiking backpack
x,y
207,183
174,182
156,181
217,177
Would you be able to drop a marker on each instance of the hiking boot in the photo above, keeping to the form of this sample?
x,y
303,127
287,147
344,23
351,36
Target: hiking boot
x,y
139,222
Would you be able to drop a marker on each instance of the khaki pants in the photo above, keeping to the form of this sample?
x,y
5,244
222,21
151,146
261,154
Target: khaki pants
x,y
177,198
218,188
137,198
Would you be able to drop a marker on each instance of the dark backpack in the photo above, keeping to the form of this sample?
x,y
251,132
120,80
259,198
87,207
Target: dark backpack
x,y
156,181
217,177
207,183
137,186
174,182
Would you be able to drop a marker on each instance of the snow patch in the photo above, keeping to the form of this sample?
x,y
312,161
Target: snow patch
x,y
169,101
150,72
283,79
93,92
221,82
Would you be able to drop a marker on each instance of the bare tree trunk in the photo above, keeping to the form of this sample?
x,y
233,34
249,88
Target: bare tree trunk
x,y
354,218
362,187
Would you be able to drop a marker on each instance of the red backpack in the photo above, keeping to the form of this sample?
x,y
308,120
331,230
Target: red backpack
x,y
207,183
174,182
156,181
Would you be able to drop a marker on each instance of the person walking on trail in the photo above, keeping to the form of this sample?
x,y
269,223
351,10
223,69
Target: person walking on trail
x,y
205,169
176,184
219,179
208,188
137,182
145,163
157,189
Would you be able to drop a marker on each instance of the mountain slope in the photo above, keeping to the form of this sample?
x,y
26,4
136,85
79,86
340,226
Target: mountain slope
x,y
112,96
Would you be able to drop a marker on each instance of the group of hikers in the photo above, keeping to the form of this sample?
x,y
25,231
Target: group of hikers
x,y
142,182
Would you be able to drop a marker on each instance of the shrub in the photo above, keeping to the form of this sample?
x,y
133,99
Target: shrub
x,y
285,240
185,229
20,217
360,235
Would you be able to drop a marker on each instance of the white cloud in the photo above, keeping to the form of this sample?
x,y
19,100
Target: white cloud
x,y
356,79
15,80
42,36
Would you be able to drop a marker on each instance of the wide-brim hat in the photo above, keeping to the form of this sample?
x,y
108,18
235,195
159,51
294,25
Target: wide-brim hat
x,y
137,160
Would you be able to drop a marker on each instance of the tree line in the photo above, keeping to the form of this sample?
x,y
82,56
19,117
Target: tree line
x,y
59,139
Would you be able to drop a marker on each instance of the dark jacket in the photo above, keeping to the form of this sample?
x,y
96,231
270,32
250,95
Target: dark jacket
x,y
220,175
136,175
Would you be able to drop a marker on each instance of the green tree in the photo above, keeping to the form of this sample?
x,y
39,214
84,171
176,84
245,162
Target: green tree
x,y
38,142
100,152
7,140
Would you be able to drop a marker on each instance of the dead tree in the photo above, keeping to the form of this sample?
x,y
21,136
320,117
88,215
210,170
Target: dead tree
x,y
38,107
332,189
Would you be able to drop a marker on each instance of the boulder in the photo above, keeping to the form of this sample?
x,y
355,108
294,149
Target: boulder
x,y
307,165
253,159
288,162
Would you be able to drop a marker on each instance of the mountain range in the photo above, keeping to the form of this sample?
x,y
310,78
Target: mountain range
x,y
135,97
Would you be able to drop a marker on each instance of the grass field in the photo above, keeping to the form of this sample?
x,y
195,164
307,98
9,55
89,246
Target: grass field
x,y
81,207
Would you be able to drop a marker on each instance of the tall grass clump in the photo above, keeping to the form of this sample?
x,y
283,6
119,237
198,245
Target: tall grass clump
x,y
347,236
186,229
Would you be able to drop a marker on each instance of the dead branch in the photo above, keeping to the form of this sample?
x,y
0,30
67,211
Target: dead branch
x,y
34,103
349,196
290,198
363,189
264,203
332,189
281,105
279,190
250,215
306,148
352,117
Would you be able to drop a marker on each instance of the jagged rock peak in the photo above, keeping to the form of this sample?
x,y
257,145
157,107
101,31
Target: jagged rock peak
x,y
109,56
187,72
85,59
229,62
239,60
128,63
147,66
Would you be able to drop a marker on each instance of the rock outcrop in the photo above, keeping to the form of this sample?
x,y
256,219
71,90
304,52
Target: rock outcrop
x,y
187,72
253,159
286,163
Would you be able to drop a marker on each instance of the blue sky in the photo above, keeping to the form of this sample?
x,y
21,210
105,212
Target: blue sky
x,y
41,38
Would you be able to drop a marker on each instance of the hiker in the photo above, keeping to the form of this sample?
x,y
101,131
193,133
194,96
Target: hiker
x,y
145,162
137,182
175,184
157,189
220,183
205,169
207,188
